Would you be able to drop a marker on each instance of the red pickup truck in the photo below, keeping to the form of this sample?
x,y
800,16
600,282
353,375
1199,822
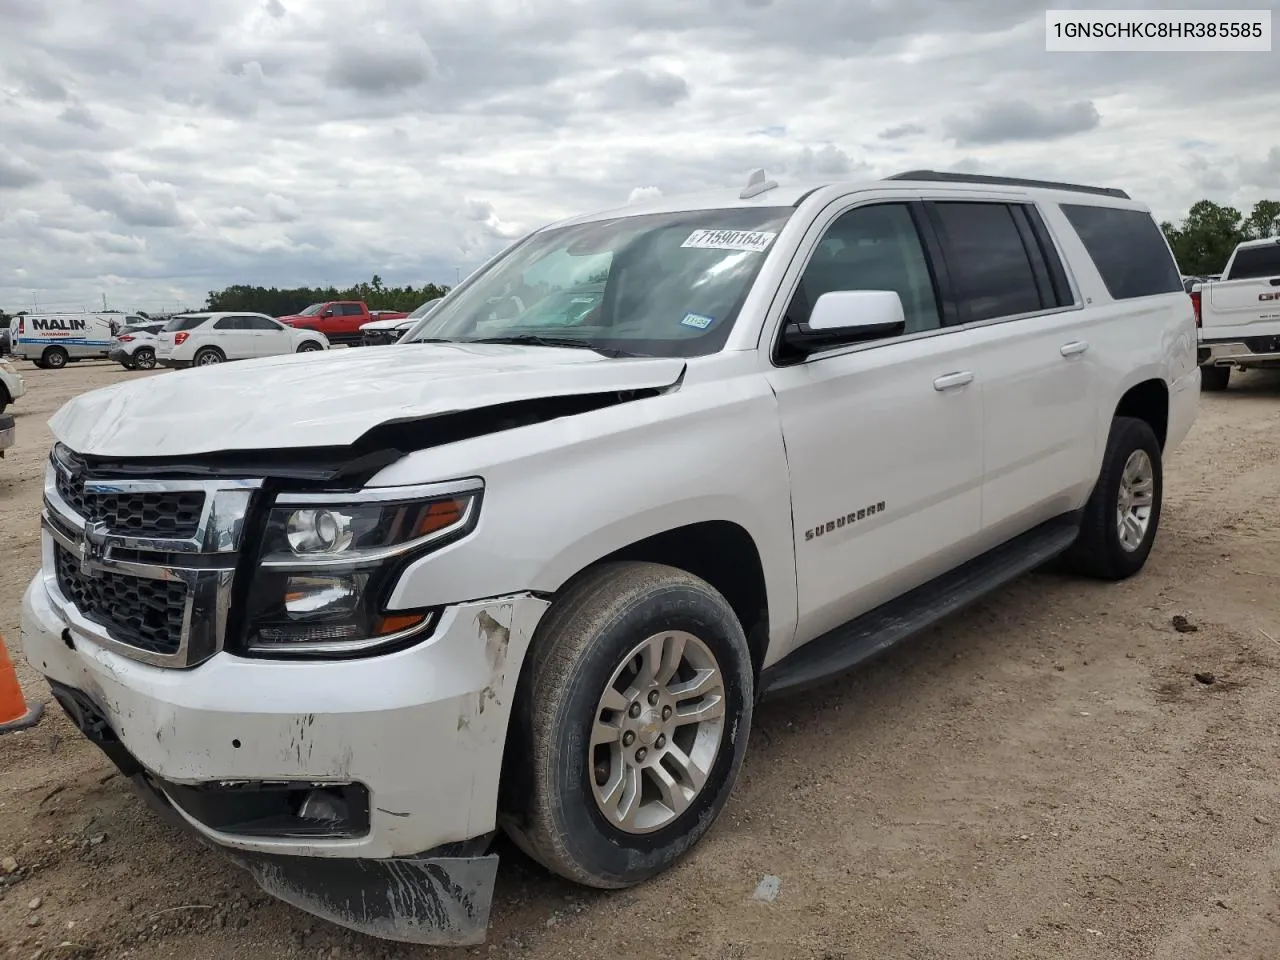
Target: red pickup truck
x,y
339,320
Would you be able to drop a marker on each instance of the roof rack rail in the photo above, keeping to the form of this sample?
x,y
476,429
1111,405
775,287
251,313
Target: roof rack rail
x,y
942,177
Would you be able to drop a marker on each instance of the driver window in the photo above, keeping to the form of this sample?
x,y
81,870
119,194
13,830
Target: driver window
x,y
871,248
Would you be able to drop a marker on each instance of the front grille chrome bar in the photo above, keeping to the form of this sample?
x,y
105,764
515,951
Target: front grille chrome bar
x,y
97,548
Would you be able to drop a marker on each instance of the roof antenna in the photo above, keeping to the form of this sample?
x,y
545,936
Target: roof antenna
x,y
756,185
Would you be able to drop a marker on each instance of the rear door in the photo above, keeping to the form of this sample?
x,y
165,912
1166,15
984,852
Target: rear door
x,y
1039,435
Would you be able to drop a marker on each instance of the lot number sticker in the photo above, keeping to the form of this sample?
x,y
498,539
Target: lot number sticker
x,y
752,241
697,321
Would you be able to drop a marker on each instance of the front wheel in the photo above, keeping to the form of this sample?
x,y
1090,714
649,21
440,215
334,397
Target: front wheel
x,y
630,726
1123,512
309,346
1214,378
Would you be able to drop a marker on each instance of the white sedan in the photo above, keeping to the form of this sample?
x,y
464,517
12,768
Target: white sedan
x,y
203,339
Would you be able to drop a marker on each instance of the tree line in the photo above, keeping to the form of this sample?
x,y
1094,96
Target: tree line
x,y
1202,242
277,302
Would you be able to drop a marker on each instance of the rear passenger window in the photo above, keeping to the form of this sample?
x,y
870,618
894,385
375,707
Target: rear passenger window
x,y
871,248
988,260
1253,263
1127,248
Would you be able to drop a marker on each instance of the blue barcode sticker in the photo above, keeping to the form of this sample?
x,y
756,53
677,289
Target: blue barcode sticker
x,y
697,321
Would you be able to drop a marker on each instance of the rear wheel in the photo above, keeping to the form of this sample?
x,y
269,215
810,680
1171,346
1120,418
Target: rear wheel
x,y
1123,513
144,358
5,399
208,356
630,725
1214,378
54,358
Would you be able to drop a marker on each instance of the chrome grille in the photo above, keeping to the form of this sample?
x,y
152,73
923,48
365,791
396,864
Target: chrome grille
x,y
144,567
165,515
139,611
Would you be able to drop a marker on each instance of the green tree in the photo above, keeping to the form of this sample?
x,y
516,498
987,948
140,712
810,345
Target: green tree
x,y
1204,240
1264,221
281,302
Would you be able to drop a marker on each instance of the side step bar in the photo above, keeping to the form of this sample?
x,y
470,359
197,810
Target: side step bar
x,y
840,650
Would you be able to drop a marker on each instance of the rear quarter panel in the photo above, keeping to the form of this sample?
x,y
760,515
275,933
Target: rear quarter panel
x,y
1131,341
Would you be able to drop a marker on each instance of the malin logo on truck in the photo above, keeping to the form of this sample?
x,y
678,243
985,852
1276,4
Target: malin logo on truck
x,y
60,324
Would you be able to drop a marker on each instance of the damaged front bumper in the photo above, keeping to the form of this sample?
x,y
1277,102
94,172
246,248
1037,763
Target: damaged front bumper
x,y
400,754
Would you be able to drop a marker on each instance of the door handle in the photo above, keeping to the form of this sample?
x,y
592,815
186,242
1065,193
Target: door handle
x,y
1074,348
950,380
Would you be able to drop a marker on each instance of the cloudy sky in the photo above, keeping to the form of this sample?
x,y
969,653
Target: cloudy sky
x,y
152,150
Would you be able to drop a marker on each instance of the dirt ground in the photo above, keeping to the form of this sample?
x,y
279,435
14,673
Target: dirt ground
x,y
1041,777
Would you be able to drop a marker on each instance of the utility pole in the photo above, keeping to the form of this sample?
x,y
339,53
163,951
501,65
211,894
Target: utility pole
x,y
104,301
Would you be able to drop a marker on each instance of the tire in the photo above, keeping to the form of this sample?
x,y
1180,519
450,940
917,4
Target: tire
x,y
143,359
5,399
1099,551
53,358
553,774
1214,378
207,357
308,346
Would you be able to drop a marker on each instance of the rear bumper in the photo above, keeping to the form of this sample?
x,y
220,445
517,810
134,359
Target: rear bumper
x,y
1236,351
118,355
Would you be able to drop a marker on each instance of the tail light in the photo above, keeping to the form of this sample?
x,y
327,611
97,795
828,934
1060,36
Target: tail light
x,y
22,323
180,338
1195,302
126,338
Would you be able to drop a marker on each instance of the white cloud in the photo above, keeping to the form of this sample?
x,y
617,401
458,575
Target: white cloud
x,y
162,150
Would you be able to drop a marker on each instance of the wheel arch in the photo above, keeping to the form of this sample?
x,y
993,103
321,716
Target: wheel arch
x,y
1147,400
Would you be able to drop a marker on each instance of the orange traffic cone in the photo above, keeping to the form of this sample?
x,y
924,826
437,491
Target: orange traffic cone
x,y
15,712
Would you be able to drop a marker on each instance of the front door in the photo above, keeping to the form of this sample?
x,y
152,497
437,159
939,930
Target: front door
x,y
234,339
883,439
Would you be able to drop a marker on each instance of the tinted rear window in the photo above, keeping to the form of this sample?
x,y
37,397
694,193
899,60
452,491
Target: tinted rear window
x,y
1128,249
184,323
988,259
1254,262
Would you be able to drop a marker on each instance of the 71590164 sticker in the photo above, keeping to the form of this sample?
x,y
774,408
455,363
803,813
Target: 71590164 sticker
x,y
752,241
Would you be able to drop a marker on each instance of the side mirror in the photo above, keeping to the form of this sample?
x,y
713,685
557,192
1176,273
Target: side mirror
x,y
329,312
848,316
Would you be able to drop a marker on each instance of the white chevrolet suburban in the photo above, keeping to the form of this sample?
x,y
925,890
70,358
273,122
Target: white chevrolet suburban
x,y
534,577
1239,314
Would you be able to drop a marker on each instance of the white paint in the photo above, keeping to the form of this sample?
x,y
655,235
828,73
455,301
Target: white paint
x,y
932,475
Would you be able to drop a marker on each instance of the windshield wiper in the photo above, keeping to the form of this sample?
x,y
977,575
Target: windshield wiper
x,y
535,340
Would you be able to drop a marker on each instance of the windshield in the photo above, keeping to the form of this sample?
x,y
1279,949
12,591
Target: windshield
x,y
312,310
423,310
667,284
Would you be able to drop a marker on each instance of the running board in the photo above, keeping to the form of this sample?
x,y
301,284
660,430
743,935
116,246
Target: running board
x,y
849,645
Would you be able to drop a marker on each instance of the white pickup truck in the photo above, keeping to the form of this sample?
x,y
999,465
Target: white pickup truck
x,y
534,576
1239,315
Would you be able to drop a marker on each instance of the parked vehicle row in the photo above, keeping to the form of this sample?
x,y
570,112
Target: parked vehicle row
x,y
339,320
534,575
390,330
206,339
52,340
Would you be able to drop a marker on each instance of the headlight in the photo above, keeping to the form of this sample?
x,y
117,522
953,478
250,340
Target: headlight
x,y
329,561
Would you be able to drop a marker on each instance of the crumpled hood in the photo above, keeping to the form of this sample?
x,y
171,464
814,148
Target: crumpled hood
x,y
331,398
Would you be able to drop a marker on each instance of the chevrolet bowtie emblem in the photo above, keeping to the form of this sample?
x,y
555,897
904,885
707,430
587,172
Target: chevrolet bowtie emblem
x,y
93,548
